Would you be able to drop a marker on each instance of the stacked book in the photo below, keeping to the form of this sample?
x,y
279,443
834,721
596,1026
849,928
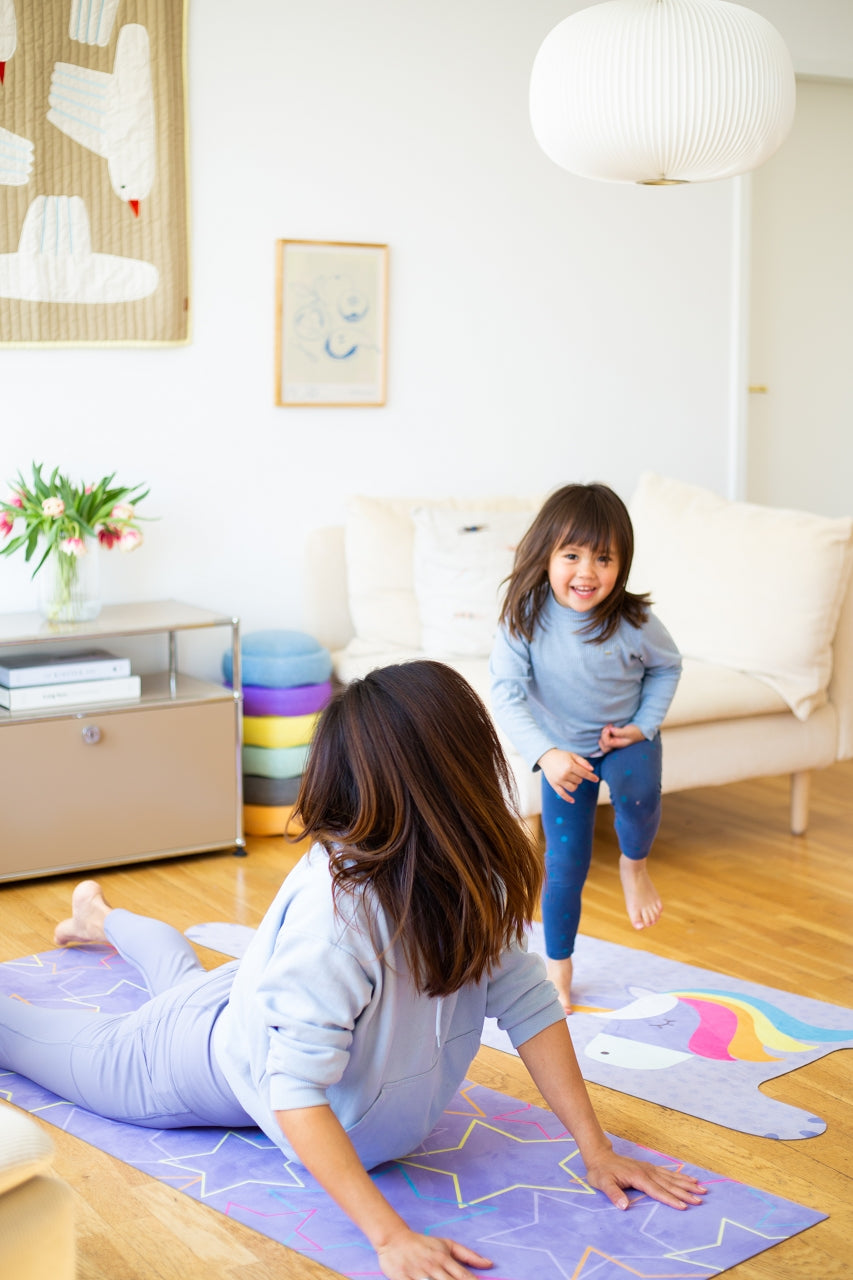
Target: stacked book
x,y
39,679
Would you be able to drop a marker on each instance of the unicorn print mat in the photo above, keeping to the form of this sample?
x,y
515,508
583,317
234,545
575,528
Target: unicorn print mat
x,y
688,1038
692,1039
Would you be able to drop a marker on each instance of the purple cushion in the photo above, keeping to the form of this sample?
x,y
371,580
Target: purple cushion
x,y
294,700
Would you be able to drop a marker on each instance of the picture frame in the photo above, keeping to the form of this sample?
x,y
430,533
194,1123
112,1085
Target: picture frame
x,y
331,324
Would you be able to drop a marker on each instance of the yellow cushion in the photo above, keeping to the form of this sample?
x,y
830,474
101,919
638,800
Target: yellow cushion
x,y
279,731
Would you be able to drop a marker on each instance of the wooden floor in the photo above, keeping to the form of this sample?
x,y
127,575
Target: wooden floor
x,y
742,896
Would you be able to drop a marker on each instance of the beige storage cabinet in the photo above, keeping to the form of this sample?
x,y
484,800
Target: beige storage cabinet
x,y
126,781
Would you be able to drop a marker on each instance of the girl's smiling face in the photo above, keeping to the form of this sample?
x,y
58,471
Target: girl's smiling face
x,y
581,578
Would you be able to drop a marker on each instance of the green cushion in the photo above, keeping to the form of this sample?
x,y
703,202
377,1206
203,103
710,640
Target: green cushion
x,y
275,762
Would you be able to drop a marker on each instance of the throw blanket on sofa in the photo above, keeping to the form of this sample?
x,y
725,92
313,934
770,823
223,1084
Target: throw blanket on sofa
x,y
93,203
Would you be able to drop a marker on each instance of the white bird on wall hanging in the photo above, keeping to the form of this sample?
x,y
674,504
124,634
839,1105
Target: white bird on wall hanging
x,y
8,34
92,23
16,159
55,261
112,115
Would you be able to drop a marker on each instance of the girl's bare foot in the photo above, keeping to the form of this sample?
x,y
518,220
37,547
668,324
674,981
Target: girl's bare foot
x,y
641,897
560,973
89,909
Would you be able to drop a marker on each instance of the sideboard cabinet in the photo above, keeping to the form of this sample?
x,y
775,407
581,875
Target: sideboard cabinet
x,y
86,787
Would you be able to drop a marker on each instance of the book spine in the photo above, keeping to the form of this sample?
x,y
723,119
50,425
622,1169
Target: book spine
x,y
82,692
63,673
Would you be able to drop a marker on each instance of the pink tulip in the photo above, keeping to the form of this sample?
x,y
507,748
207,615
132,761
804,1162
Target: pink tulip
x,y
108,535
122,511
130,540
53,507
5,525
73,546
15,500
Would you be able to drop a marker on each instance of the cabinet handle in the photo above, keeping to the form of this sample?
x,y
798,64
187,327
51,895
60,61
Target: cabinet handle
x,y
91,735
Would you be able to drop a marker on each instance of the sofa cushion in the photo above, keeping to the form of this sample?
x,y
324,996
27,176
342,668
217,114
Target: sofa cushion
x,y
378,544
379,539
706,692
738,585
461,559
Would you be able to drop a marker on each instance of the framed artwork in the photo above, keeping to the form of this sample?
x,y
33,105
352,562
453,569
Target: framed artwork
x,y
331,323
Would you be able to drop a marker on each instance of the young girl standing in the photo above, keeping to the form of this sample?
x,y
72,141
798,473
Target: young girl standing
x,y
353,1016
582,676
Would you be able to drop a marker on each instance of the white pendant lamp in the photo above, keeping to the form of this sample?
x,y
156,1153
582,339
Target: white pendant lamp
x,y
662,91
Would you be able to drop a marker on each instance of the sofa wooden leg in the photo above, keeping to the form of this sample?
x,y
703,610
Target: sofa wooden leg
x,y
800,786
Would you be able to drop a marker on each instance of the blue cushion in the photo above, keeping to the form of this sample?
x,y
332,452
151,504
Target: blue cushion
x,y
280,659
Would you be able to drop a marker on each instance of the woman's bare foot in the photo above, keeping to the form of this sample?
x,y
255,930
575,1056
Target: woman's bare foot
x,y
89,909
560,973
641,896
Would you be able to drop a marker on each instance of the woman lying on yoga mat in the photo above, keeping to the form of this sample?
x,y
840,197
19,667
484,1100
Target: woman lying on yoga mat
x,y
352,1018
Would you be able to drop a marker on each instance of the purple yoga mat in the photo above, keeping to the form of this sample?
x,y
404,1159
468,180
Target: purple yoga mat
x,y
496,1173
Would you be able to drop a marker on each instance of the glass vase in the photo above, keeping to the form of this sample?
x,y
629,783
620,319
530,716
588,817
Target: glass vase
x,y
69,586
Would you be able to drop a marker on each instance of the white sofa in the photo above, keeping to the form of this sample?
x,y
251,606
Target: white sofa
x,y
758,599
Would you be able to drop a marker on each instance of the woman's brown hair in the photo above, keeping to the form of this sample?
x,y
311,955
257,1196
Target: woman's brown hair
x,y
582,515
406,787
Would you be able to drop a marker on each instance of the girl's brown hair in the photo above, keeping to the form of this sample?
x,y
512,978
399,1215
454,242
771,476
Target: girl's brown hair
x,y
406,788
582,515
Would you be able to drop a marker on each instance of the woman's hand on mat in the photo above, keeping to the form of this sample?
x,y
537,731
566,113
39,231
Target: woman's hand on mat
x,y
613,1174
410,1256
320,1143
565,771
613,737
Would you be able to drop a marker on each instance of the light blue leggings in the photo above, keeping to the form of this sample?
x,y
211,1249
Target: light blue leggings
x,y
633,778
153,1066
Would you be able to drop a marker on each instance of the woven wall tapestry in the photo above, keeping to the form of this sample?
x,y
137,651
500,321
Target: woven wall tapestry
x,y
93,173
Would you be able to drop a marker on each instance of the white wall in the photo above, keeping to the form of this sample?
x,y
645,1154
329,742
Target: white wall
x,y
542,328
800,446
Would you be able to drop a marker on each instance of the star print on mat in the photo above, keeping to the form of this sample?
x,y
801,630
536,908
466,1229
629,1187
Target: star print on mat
x,y
235,1160
503,1162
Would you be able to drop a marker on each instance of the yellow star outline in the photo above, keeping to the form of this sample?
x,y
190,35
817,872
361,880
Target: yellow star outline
x,y
578,1185
475,1107
34,961
180,1185
721,1231
596,1255
80,1002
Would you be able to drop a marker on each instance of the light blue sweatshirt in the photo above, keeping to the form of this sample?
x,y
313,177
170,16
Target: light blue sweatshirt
x,y
316,1016
560,691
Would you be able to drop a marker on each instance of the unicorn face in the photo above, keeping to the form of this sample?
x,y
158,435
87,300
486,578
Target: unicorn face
x,y
619,1051
660,1029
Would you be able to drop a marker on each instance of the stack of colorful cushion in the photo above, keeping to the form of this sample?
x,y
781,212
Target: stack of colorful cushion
x,y
286,684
